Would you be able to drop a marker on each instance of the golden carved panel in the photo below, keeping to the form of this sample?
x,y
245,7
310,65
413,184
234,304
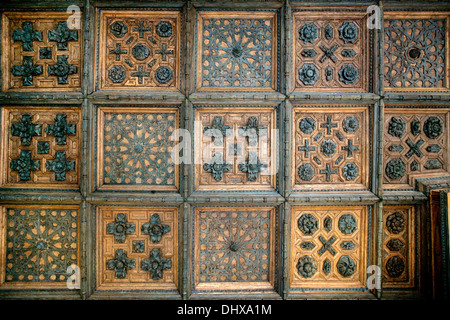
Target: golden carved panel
x,y
40,147
329,247
40,52
399,249
416,51
331,51
415,145
38,244
234,248
134,148
139,50
237,148
331,148
236,51
137,248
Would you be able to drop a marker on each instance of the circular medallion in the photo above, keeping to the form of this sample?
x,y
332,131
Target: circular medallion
x,y
116,74
163,74
307,224
346,266
118,28
395,223
164,29
350,124
347,224
140,52
395,169
395,267
306,266
306,172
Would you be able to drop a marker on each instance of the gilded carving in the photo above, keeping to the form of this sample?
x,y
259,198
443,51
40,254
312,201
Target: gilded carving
x,y
40,52
236,148
139,50
135,149
137,248
234,247
237,50
399,248
330,51
41,242
414,51
328,247
330,147
415,141
42,147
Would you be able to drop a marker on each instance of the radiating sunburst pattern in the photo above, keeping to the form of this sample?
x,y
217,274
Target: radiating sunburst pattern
x,y
137,148
237,53
41,244
234,246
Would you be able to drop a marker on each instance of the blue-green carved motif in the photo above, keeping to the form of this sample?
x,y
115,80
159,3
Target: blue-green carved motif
x,y
217,130
26,130
60,129
27,35
120,228
25,165
62,35
43,147
252,167
308,33
38,239
156,264
62,69
217,166
155,228
120,264
27,70
138,148
45,53
253,131
60,165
